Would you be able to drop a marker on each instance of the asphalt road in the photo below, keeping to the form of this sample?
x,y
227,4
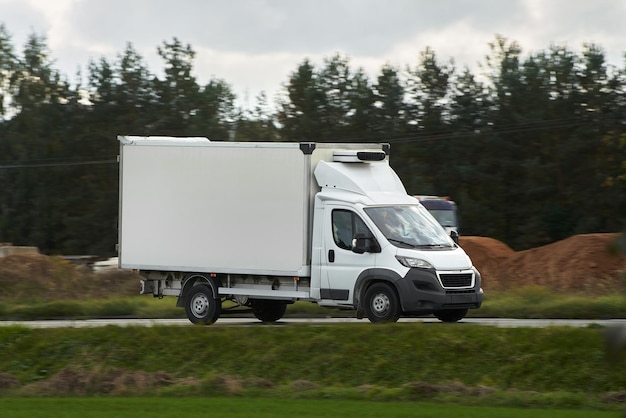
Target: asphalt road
x,y
496,322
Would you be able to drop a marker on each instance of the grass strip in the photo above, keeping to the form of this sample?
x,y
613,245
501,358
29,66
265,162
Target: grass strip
x,y
530,302
263,407
389,355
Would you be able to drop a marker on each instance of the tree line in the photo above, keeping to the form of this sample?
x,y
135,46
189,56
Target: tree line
x,y
531,147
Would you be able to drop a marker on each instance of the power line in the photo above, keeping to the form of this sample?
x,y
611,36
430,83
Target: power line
x,y
489,129
58,164
494,129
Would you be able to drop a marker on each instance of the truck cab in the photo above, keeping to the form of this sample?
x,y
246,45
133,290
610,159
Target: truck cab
x,y
382,252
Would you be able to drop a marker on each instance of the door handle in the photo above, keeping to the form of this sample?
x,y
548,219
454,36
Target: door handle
x,y
331,256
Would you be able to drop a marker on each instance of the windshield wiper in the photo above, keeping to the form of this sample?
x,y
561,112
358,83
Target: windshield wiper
x,y
397,241
433,246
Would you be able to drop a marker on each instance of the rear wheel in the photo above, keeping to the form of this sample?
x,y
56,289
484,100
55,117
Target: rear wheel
x,y
268,310
382,303
201,306
451,315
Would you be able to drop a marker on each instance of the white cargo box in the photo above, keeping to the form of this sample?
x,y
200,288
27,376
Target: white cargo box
x,y
196,205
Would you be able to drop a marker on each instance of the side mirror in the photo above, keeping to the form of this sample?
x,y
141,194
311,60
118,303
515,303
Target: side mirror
x,y
362,243
455,237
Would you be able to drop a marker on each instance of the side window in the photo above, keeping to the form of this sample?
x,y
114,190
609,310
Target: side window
x,y
345,225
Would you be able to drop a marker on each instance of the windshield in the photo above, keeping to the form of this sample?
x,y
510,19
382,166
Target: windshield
x,y
445,217
409,226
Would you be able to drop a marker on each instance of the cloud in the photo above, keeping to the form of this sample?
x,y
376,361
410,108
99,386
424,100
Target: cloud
x,y
30,21
255,44
254,73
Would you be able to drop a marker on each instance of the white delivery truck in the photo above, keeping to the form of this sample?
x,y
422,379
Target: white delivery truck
x,y
266,224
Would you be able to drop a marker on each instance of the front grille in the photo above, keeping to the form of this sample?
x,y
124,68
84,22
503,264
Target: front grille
x,y
460,305
456,280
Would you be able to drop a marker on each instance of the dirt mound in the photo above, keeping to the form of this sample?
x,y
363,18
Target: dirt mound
x,y
107,382
24,266
487,254
581,263
37,277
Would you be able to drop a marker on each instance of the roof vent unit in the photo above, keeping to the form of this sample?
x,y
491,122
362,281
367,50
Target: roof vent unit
x,y
350,156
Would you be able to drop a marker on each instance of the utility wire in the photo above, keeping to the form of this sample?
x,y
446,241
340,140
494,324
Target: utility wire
x,y
501,129
489,129
504,129
58,164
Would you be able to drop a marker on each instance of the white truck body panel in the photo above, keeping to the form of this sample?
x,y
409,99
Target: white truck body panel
x,y
170,219
189,204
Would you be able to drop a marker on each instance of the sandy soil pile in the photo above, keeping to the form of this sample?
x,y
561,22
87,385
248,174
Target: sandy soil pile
x,y
581,263
37,277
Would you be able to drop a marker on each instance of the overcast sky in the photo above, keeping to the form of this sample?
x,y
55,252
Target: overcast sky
x,y
255,44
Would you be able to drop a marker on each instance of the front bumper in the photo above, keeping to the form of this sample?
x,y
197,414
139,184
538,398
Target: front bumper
x,y
422,292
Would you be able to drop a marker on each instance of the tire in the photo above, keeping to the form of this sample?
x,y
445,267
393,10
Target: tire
x,y
451,315
382,303
268,310
201,306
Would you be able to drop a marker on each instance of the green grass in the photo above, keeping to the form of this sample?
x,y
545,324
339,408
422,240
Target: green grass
x,y
555,367
539,302
531,302
133,306
261,408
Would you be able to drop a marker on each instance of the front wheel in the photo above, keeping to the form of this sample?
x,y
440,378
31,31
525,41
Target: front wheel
x,y
201,306
382,303
268,310
451,315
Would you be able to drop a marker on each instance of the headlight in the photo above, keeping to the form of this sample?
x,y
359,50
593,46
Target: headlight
x,y
414,262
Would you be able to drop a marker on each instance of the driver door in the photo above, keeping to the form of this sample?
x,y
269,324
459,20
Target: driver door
x,y
341,266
